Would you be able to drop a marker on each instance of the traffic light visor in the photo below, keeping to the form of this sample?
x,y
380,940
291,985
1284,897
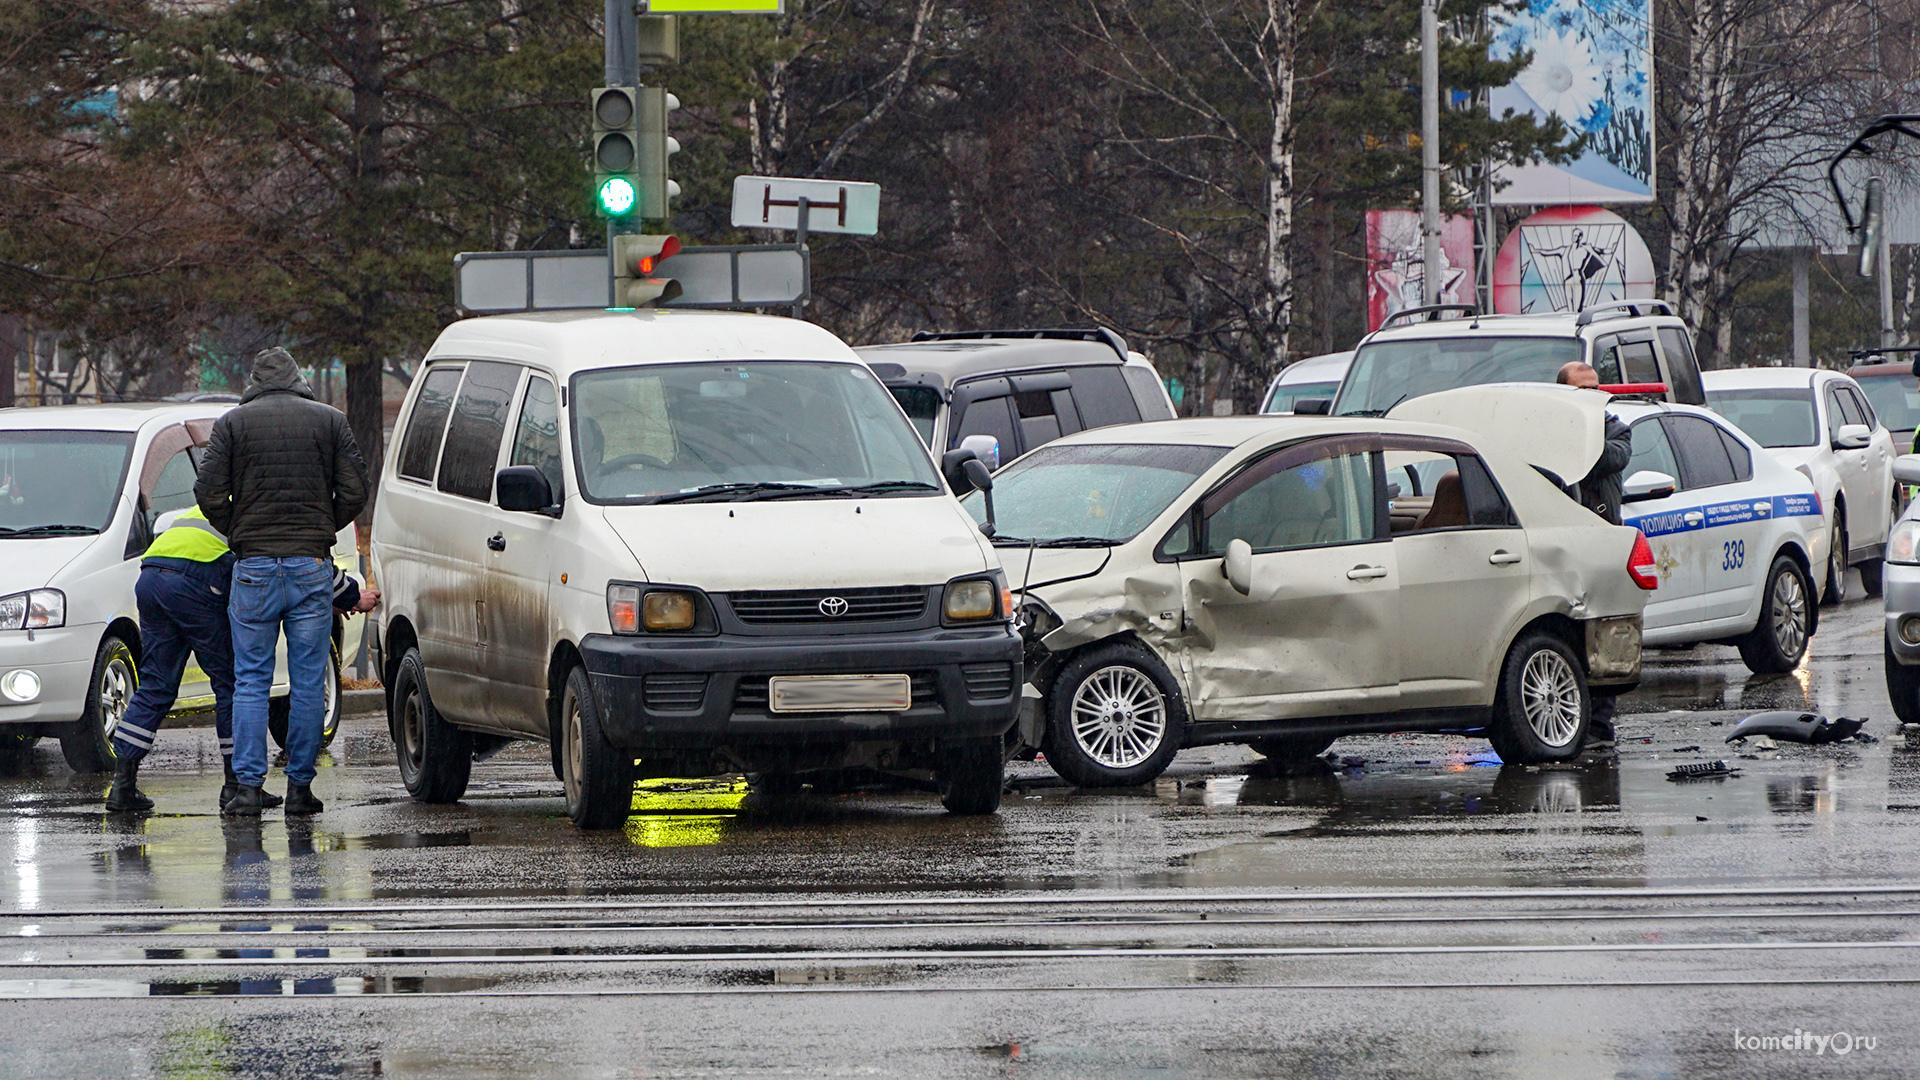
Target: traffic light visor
x,y
618,196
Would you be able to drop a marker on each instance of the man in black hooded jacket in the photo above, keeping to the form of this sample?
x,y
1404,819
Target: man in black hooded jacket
x,y
280,477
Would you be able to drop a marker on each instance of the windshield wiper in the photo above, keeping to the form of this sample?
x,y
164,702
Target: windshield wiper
x,y
880,487
50,530
1381,412
729,492
1055,542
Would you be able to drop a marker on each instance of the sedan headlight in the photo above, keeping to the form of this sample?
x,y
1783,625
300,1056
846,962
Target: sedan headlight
x,y
40,609
1903,545
976,599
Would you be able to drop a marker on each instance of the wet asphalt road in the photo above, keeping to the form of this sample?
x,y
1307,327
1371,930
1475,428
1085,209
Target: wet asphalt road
x,y
1414,909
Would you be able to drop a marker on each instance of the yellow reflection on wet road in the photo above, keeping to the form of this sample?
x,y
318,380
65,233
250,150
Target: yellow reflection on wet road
x,y
684,813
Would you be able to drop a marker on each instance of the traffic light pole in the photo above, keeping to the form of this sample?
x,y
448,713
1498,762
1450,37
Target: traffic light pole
x,y
623,69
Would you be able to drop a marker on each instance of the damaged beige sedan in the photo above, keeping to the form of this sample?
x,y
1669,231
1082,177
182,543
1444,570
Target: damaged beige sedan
x,y
1283,581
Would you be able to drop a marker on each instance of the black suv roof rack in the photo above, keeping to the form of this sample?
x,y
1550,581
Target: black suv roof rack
x,y
1432,312
1098,334
1633,309
1866,356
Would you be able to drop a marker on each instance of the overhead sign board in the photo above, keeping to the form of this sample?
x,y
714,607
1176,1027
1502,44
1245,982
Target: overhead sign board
x,y
501,282
716,7
835,206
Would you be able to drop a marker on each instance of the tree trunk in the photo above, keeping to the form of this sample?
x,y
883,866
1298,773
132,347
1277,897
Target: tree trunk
x,y
368,122
366,413
1277,307
1703,175
12,344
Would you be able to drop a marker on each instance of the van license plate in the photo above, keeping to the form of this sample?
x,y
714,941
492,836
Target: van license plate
x,y
840,693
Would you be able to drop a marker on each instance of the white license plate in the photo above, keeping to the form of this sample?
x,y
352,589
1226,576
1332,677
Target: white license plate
x,y
840,693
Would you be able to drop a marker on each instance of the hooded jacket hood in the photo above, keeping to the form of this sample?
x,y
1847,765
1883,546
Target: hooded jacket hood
x,y
274,369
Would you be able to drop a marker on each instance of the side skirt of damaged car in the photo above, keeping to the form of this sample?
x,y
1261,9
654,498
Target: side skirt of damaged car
x,y
1465,719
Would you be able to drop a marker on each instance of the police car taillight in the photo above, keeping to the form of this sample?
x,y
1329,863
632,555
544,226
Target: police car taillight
x,y
1640,565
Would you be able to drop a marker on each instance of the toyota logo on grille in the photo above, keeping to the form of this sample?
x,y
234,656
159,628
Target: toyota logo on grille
x,y
833,607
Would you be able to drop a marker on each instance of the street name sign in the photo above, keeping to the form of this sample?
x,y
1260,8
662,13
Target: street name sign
x,y
834,206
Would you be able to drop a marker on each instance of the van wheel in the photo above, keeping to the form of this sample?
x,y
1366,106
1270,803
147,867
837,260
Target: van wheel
x,y
278,708
1541,710
971,778
1779,640
1903,687
1114,718
1291,749
1835,588
599,776
87,743
436,758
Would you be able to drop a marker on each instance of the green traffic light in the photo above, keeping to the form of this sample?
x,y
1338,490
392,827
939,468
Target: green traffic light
x,y
618,196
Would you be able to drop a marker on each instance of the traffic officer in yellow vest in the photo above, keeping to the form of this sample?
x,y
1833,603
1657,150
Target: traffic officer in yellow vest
x,y
182,595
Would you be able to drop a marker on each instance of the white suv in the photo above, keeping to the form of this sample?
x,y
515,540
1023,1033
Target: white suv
x,y
1636,346
1820,424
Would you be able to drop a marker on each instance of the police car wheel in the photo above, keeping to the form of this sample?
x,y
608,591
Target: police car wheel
x,y
599,776
435,757
278,709
1778,641
1541,709
87,743
1903,688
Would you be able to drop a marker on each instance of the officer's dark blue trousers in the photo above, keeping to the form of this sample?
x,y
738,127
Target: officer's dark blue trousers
x,y
183,608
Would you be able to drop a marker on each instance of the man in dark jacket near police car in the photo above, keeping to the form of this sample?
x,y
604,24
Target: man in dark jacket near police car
x,y
281,476
1600,491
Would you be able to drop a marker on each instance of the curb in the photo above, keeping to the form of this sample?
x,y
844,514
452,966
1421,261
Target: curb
x,y
360,702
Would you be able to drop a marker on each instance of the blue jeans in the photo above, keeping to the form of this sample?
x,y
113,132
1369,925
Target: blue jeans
x,y
267,594
183,608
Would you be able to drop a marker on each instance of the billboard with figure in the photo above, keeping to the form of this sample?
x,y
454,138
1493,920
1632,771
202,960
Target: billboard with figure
x,y
1396,258
1593,68
1568,258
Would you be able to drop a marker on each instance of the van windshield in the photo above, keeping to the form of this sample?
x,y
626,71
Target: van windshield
x,y
60,483
1385,373
761,429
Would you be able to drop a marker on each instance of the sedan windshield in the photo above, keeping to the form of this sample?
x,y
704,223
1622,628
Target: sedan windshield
x,y
1386,373
55,483
736,431
1090,494
1771,417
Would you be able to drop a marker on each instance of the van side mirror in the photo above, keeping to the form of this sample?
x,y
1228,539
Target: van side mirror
x,y
1238,566
524,489
1647,484
1852,437
953,467
1313,406
984,447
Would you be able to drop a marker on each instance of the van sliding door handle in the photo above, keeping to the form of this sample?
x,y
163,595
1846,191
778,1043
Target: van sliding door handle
x,y
1503,557
1366,573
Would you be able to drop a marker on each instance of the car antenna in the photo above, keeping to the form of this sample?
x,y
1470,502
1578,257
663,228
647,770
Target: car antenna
x,y
1033,544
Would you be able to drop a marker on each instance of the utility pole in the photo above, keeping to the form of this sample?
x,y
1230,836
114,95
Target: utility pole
x,y
623,69
1429,150
1888,336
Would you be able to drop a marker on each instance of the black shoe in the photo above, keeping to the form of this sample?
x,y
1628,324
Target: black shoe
x,y
125,795
248,801
232,788
300,800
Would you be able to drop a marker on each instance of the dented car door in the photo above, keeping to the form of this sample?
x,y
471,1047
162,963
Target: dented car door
x,y
1317,632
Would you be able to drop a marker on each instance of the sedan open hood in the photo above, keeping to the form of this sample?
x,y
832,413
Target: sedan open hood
x,y
1561,429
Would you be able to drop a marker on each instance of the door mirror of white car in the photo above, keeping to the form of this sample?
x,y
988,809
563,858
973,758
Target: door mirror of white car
x,y
984,447
1852,437
1647,484
524,489
1906,468
1238,566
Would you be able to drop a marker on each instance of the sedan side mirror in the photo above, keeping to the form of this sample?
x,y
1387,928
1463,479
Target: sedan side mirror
x,y
1647,484
524,489
1906,468
1238,566
1852,437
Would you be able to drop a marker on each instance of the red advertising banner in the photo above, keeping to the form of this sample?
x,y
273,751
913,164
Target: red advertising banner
x,y
1396,262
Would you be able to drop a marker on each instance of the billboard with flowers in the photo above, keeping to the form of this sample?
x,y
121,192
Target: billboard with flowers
x,y
1592,67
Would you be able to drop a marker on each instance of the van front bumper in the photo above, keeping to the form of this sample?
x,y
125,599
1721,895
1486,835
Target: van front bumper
x,y
701,693
62,660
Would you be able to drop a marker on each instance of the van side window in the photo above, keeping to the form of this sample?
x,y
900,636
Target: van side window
x,y
1038,423
989,416
1683,370
478,424
1147,393
428,424
1101,392
1606,360
536,441
1637,363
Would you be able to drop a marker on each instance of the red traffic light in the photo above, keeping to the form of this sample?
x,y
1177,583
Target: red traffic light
x,y
669,246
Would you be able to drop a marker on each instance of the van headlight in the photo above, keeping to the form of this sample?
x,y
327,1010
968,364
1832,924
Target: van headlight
x,y
636,609
1903,544
977,599
40,609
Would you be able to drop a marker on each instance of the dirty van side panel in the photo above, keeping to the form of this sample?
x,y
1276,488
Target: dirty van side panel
x,y
519,632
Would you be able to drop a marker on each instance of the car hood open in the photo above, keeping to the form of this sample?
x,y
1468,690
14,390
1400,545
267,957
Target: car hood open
x,y
1561,429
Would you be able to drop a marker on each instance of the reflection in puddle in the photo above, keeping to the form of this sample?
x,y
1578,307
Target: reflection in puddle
x,y
1356,799
684,813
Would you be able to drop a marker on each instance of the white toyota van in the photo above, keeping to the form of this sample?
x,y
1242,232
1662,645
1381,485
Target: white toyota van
x,y
709,541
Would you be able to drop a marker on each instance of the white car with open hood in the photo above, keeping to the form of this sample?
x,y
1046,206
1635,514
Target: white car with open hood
x,y
1281,581
708,541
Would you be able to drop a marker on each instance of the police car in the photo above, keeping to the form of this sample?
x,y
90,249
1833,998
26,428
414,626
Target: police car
x,y
1736,535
